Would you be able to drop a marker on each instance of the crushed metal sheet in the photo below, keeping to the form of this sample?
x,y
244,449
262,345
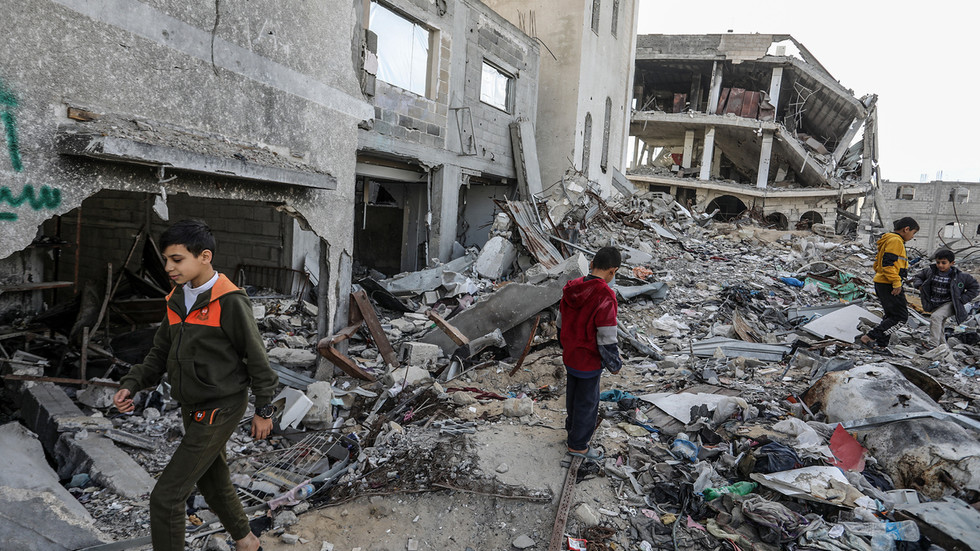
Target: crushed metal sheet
x,y
733,348
536,242
951,523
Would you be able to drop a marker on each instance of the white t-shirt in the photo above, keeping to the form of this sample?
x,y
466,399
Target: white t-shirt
x,y
191,294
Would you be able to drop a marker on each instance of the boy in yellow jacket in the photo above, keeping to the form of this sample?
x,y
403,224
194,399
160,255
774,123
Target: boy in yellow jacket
x,y
891,268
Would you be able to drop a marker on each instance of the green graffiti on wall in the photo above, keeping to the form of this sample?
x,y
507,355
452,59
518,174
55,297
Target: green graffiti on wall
x,y
7,104
46,198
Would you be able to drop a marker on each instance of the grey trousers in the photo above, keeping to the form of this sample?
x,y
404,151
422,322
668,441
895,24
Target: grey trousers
x,y
936,320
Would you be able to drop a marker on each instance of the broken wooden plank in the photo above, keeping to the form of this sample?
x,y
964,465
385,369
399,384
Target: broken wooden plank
x,y
564,504
342,361
374,327
453,333
527,347
59,380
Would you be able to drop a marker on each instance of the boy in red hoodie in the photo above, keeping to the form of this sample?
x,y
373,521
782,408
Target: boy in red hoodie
x,y
587,333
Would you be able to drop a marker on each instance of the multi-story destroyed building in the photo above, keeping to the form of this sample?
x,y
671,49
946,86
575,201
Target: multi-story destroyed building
x,y
946,212
584,92
736,122
119,120
448,81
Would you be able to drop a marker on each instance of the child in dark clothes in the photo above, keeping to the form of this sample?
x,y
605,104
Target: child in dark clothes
x,y
945,291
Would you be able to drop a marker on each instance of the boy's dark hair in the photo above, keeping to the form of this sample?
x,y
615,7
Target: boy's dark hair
x,y
907,222
193,234
945,254
607,257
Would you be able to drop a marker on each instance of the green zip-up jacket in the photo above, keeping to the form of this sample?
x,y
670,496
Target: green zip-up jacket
x,y
211,355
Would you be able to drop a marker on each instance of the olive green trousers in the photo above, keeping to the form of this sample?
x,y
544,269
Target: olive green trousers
x,y
199,460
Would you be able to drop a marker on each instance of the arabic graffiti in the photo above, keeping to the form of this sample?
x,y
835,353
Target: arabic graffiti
x,y
46,198
7,104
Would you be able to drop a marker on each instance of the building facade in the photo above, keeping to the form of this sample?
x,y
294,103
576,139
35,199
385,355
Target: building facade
x,y
947,212
448,81
141,114
584,92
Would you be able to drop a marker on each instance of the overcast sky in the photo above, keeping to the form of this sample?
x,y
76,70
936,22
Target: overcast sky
x,y
920,58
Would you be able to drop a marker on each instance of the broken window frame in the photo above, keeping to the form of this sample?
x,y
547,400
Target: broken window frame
x,y
491,99
905,193
596,4
415,39
952,230
959,195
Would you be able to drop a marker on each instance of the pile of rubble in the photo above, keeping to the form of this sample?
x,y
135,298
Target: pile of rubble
x,y
745,415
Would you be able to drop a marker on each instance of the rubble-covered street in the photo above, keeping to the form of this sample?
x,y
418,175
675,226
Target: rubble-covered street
x,y
741,378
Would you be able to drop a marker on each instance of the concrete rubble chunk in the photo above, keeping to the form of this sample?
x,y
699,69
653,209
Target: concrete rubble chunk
x,y
419,353
505,308
38,513
292,358
45,405
408,375
518,407
320,415
496,258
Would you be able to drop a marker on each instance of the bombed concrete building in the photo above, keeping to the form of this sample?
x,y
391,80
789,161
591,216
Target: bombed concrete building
x,y
755,123
454,88
946,212
584,92
121,120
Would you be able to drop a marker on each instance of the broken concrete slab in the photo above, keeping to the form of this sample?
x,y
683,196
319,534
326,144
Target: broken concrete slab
x,y
407,376
496,258
46,409
913,451
416,283
419,353
655,291
950,523
37,512
841,324
505,308
292,357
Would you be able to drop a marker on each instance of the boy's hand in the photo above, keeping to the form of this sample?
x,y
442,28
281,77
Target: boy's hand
x,y
123,401
897,291
261,427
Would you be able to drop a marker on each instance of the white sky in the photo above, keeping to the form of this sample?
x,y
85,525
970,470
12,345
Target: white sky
x,y
920,58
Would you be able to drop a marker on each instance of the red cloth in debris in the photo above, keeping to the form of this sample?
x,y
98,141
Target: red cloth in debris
x,y
849,453
586,305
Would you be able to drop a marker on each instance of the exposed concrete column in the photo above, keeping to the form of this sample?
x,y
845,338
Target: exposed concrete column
x,y
775,85
688,148
707,156
715,93
444,210
636,151
765,157
716,164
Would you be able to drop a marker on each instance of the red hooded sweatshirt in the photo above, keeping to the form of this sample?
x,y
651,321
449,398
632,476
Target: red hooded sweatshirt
x,y
587,319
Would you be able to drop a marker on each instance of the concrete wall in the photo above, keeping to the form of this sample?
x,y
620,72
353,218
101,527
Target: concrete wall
x,y
932,209
277,74
426,130
589,68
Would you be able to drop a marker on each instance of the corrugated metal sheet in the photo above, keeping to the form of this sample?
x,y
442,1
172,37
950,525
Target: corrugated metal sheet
x,y
532,236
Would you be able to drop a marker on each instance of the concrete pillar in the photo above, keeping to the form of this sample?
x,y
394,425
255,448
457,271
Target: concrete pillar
x,y
708,155
688,148
775,85
444,210
636,151
716,164
715,93
764,159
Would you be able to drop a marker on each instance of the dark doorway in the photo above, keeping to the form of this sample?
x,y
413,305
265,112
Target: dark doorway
x,y
729,207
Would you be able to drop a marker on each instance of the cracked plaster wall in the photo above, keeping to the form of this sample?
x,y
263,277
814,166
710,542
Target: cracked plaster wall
x,y
282,75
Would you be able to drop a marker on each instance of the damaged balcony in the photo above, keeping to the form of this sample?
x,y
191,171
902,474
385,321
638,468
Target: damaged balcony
x,y
719,113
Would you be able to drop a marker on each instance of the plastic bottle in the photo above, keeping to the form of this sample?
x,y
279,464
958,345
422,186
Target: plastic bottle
x,y
887,533
682,448
740,488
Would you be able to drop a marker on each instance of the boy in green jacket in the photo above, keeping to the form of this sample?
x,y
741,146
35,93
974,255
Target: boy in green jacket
x,y
210,347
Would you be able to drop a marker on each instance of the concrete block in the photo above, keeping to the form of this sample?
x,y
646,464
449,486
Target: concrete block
x,y
292,358
39,521
496,258
408,375
52,415
418,353
96,396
